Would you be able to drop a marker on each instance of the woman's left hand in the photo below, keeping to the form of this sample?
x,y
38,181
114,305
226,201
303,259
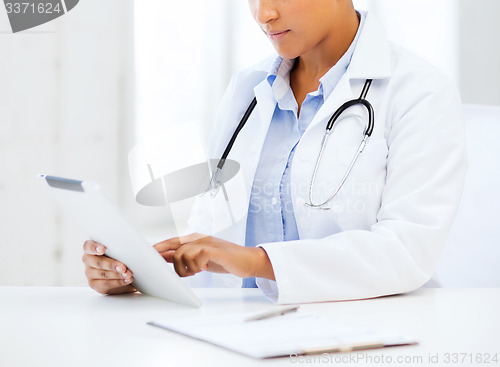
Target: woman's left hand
x,y
196,252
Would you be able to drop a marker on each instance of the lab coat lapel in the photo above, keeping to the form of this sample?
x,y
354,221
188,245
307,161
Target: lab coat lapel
x,y
246,151
251,140
254,137
266,105
372,56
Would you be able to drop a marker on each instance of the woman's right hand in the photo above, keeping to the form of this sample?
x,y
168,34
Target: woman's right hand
x,y
104,274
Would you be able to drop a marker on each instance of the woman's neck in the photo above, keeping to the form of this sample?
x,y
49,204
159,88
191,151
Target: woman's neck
x,y
316,63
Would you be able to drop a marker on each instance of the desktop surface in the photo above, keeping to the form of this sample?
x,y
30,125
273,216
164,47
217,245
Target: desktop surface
x,y
58,326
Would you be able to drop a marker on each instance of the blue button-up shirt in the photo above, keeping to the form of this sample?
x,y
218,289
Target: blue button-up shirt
x,y
270,214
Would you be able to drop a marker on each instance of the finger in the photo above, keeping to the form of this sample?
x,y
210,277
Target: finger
x,y
120,290
109,286
93,248
168,245
168,256
189,259
180,265
104,263
202,259
192,237
93,273
177,242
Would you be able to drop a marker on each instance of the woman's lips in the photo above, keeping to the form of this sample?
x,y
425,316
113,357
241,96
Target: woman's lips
x,y
276,36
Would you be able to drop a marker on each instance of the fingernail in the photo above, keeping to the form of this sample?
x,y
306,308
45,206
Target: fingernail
x,y
99,249
124,275
127,280
119,269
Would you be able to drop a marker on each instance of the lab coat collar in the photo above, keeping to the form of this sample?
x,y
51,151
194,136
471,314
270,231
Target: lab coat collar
x,y
372,56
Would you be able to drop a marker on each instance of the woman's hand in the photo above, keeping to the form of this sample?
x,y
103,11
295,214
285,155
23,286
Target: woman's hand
x,y
195,253
105,275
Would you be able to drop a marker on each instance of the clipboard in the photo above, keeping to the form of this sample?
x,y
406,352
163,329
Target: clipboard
x,y
288,335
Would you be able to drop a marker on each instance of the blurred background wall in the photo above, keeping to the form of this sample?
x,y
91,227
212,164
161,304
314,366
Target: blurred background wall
x,y
78,93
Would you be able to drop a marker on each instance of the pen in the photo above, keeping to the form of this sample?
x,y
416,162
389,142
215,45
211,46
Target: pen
x,y
269,314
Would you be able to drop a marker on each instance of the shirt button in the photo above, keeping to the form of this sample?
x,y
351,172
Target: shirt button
x,y
274,201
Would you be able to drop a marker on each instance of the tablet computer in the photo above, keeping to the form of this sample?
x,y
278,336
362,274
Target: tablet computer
x,y
104,223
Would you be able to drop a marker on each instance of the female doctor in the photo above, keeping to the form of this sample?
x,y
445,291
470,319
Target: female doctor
x,y
379,232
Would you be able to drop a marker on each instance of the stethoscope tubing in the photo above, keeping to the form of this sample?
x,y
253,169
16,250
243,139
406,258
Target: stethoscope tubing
x,y
368,132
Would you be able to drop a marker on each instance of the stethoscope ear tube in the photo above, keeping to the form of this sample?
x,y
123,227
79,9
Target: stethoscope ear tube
x,y
242,123
349,104
371,116
213,185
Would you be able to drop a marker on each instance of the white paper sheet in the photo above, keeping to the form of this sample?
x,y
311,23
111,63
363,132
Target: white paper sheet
x,y
297,333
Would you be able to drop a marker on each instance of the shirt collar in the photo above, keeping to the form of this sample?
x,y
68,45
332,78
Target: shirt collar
x,y
279,77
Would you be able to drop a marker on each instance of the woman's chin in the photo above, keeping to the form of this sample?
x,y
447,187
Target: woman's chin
x,y
287,54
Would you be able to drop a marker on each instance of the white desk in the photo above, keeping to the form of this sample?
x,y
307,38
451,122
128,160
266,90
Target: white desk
x,y
77,327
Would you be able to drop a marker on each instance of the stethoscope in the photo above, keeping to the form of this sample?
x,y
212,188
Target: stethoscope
x,y
369,129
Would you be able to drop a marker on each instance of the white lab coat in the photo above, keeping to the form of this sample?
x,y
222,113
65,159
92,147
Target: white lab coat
x,y
389,223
